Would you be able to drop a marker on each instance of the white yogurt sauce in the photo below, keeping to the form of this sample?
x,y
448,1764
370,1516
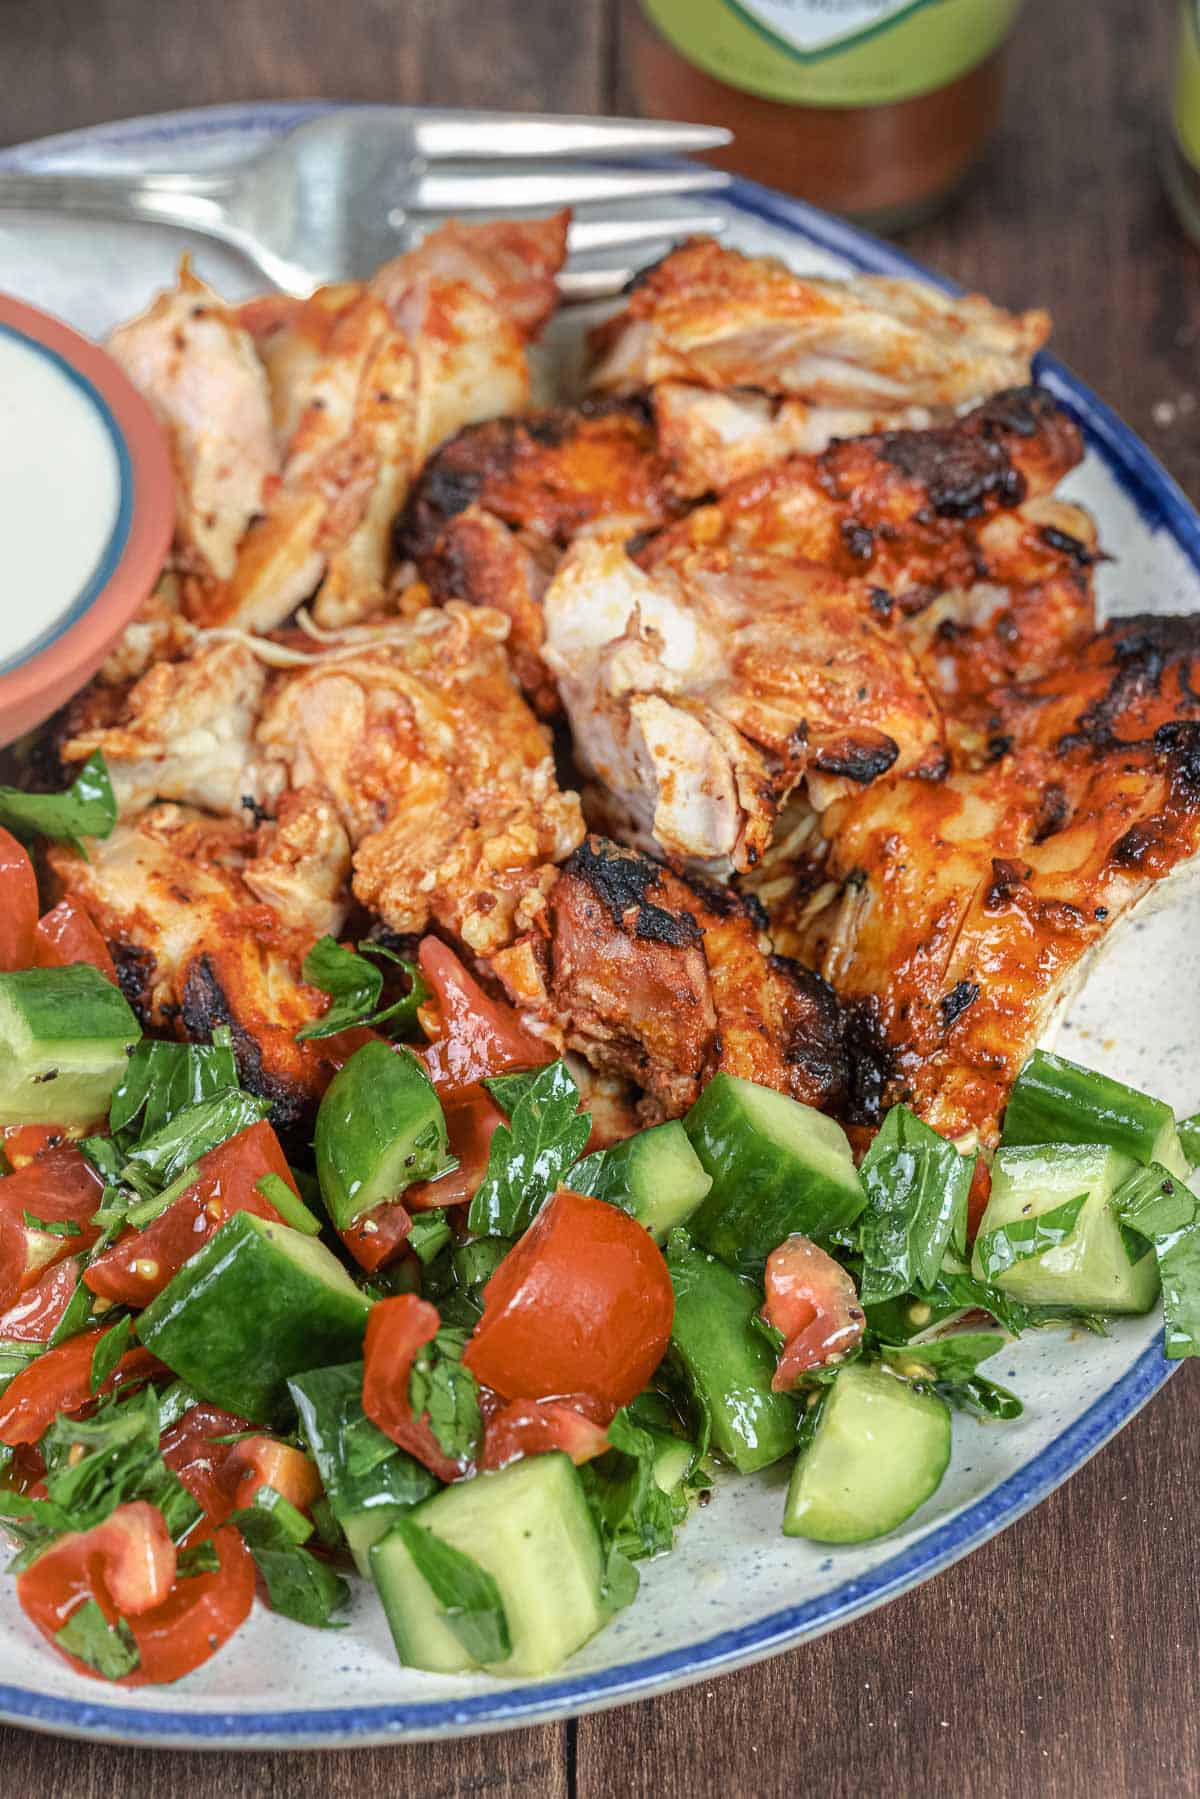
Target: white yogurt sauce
x,y
59,494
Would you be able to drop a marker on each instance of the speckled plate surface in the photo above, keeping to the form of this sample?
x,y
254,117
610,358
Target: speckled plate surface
x,y
734,1590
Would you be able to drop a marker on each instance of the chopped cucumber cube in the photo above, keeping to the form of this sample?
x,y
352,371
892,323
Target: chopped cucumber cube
x,y
1049,1235
65,1039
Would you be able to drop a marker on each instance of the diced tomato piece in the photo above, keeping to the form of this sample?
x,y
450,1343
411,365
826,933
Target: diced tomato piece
x,y
532,1426
977,1198
477,1036
266,1462
813,1301
191,1451
471,1118
18,904
60,1381
176,1630
57,1187
379,1235
582,1304
141,1263
37,1313
397,1330
65,935
23,1143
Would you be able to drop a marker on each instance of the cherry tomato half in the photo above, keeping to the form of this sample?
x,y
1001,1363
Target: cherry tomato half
x,y
532,1426
397,1330
582,1304
142,1262
60,1381
266,1462
58,1187
66,934
192,1450
478,1036
34,1317
23,1143
379,1235
814,1302
18,904
471,1118
174,1634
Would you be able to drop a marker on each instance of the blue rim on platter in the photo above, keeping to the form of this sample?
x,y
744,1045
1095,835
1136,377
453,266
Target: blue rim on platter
x,y
1162,506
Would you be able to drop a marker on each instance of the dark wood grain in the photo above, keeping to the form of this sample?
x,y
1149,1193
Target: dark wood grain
x,y
1064,1658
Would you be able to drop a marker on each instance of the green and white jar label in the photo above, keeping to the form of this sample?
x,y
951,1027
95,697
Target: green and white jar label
x,y
834,52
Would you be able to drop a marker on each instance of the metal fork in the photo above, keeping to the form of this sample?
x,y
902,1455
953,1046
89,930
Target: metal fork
x,y
335,197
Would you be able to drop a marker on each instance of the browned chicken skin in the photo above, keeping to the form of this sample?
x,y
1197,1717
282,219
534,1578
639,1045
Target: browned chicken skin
x,y
666,982
968,907
497,505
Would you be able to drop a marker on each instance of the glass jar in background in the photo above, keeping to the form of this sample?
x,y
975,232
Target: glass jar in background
x,y
872,108
1182,155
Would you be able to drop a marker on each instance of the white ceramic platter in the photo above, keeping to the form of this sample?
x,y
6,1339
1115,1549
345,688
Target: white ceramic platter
x,y
735,1589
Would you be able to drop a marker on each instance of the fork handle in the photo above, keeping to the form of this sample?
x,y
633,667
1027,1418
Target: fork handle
x,y
194,202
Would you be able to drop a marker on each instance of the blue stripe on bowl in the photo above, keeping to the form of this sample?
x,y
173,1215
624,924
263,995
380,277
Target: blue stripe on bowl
x,y
118,537
1164,507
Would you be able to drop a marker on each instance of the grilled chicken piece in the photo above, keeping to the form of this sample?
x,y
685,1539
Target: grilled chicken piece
x,y
709,438
194,948
969,907
833,357
989,574
511,263
665,983
701,694
183,732
196,365
497,506
442,778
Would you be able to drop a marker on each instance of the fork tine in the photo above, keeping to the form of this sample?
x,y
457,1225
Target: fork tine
x,y
588,235
577,286
520,193
451,136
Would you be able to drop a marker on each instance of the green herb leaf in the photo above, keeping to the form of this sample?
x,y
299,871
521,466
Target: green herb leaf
x,y
530,1155
440,1386
468,1595
108,1352
95,1464
53,1227
190,1134
355,986
164,1079
298,1585
108,1650
955,1356
1009,1244
201,1558
1158,1207
982,1397
78,1313
429,1235
635,1516
86,809
916,1185
290,1207
360,1468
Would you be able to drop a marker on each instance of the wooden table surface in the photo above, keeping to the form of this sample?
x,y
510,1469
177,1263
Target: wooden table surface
x,y
1064,1658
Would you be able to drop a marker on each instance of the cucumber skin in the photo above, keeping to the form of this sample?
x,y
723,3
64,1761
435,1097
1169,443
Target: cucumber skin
x,y
1055,1100
242,1316
379,1101
728,1361
366,1505
51,1071
522,1500
831,1520
756,1200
